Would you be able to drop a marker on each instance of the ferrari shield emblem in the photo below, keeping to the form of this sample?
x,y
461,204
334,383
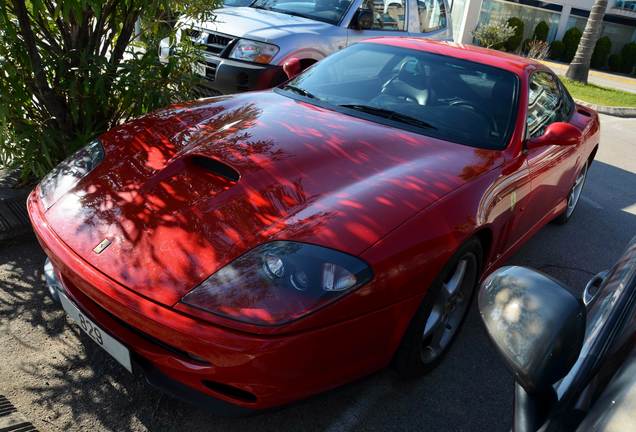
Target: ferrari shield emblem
x,y
101,247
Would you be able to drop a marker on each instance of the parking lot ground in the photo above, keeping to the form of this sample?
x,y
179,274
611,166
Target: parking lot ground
x,y
61,381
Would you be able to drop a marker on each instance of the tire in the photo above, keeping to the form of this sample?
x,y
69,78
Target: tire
x,y
574,196
418,352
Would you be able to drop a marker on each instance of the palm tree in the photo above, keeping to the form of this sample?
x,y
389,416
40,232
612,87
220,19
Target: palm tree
x,y
580,66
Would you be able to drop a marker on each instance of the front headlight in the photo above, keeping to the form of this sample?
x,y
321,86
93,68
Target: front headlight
x,y
252,51
279,282
68,173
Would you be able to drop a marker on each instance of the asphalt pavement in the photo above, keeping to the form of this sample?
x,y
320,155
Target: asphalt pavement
x,y
59,379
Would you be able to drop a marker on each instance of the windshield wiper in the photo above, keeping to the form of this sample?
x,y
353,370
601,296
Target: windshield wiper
x,y
300,91
391,115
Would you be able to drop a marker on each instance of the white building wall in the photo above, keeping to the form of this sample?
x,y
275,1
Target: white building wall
x,y
466,15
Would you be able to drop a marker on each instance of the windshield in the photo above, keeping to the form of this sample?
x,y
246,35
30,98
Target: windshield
x,y
237,2
445,97
329,11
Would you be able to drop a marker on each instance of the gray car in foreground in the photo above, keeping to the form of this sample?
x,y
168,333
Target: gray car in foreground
x,y
246,47
573,357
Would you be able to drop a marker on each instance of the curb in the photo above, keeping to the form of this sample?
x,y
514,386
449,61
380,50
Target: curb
x,y
14,220
624,112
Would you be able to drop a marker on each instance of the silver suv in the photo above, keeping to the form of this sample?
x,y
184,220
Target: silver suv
x,y
246,47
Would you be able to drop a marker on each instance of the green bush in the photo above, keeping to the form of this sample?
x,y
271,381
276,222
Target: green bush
x,y
514,41
556,50
71,69
493,35
571,41
614,62
541,31
628,55
601,52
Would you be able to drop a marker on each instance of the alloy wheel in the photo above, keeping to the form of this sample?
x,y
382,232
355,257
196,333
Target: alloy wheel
x,y
449,308
575,192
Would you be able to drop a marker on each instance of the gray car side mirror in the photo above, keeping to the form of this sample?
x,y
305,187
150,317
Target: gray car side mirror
x,y
538,327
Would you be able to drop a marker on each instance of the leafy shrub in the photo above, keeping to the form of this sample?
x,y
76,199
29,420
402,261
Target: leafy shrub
x,y
571,41
628,56
556,50
601,52
541,31
69,70
614,62
538,50
493,34
514,41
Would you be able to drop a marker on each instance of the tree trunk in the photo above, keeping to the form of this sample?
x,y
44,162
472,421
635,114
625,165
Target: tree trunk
x,y
580,66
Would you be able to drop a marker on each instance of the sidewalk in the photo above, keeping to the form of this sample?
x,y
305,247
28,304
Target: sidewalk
x,y
603,79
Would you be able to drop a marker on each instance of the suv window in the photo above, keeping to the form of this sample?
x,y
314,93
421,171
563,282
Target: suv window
x,y
432,15
545,103
388,15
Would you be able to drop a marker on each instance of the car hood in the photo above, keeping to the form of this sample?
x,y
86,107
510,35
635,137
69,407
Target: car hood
x,y
259,24
165,198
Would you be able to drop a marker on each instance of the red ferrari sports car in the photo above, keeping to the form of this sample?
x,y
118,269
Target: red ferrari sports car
x,y
252,250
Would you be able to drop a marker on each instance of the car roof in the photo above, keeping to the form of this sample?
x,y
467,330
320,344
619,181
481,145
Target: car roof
x,y
499,59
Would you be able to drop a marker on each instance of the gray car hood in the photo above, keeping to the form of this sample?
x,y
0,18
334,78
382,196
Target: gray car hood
x,y
258,24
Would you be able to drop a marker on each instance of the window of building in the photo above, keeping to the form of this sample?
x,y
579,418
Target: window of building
x,y
501,10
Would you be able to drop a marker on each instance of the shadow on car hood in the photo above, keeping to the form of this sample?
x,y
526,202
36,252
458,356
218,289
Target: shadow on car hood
x,y
184,191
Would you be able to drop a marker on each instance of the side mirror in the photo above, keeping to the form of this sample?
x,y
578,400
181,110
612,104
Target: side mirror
x,y
292,67
538,327
536,323
559,133
362,20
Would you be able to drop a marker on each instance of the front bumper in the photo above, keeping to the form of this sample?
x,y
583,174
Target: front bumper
x,y
186,356
142,366
225,76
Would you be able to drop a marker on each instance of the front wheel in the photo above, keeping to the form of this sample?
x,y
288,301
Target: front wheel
x,y
441,314
573,196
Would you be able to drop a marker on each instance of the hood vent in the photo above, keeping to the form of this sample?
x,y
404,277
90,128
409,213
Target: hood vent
x,y
217,167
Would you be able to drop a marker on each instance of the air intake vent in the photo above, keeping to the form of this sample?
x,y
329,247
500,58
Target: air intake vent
x,y
217,167
230,391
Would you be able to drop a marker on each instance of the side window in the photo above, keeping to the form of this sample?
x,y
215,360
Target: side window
x,y
388,15
432,15
568,103
545,103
